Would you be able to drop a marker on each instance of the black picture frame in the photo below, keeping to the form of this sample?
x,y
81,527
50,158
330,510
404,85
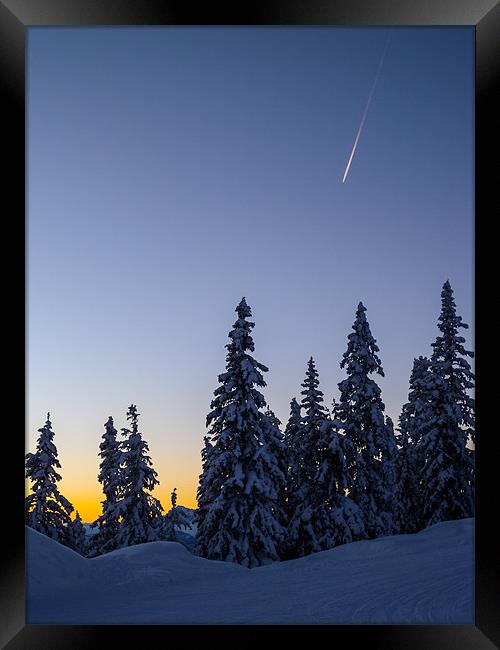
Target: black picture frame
x,y
15,17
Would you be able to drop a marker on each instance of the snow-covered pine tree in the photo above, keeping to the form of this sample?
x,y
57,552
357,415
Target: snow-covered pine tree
x,y
385,441
174,519
306,527
448,474
139,512
337,518
205,494
292,441
369,441
79,540
293,424
46,509
407,496
238,521
414,422
110,478
274,440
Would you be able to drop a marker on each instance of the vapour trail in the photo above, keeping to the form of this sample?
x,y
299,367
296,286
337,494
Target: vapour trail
x,y
365,113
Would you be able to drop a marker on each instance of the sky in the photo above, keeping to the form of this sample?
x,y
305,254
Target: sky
x,y
172,171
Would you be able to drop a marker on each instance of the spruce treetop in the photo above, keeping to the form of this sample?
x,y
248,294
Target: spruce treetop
x,y
46,456
293,420
449,363
291,433
361,354
240,335
242,374
135,456
294,409
111,455
313,397
417,408
108,439
133,418
448,347
420,378
243,310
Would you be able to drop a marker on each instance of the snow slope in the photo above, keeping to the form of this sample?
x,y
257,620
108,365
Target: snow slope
x,y
422,578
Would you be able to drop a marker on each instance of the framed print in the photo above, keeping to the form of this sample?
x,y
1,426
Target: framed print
x,y
251,296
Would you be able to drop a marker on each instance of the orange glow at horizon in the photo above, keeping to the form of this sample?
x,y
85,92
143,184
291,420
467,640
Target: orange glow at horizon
x,y
89,505
80,468
88,502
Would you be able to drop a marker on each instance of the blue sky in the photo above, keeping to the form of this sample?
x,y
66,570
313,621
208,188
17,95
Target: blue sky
x,y
173,170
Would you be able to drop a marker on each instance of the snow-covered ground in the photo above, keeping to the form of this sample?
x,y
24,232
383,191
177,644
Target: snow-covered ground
x,y
422,578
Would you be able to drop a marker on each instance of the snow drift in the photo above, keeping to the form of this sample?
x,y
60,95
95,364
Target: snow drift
x,y
423,578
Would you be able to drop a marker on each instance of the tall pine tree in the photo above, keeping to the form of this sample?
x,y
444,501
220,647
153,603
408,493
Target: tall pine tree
x,y
46,509
448,473
238,521
139,512
369,440
110,478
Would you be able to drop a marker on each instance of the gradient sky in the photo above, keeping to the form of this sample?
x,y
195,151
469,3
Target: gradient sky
x,y
173,170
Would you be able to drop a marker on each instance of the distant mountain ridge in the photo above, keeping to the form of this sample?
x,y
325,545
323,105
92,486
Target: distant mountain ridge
x,y
186,537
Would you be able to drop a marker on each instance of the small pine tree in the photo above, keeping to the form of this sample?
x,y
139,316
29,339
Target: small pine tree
x,y
407,497
302,537
205,494
238,520
448,474
110,479
291,440
385,495
79,539
139,512
414,424
291,436
293,424
46,509
274,441
369,443
341,519
174,519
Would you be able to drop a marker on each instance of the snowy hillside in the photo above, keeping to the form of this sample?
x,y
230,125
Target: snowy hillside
x,y
422,578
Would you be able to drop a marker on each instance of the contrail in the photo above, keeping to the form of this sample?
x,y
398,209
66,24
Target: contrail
x,y
365,111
